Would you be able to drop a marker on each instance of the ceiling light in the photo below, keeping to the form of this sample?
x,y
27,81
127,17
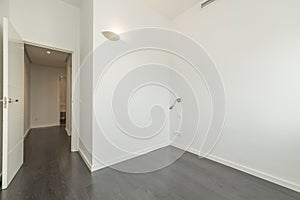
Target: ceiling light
x,y
48,52
112,36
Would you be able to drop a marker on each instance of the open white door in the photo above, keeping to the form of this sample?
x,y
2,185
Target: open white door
x,y
12,102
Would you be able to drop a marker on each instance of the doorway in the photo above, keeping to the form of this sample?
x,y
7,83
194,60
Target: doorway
x,y
19,97
47,88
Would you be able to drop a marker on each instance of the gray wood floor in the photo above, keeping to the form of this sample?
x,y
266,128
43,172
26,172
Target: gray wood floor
x,y
51,172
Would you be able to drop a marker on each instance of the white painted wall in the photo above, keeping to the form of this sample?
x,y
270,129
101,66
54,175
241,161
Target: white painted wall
x,y
46,16
4,8
44,95
1,92
53,23
26,94
120,17
85,79
255,45
86,109
204,107
117,16
110,143
86,28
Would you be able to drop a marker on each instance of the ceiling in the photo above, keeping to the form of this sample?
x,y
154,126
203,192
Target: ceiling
x,y
75,3
39,56
167,8
171,8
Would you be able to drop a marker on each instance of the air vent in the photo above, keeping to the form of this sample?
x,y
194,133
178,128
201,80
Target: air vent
x,y
206,3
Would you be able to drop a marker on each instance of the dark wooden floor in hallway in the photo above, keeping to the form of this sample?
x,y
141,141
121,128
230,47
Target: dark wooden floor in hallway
x,y
52,172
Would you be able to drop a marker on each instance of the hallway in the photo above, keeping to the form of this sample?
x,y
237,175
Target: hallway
x,y
51,172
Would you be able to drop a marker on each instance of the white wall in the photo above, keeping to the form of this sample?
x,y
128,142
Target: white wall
x,y
110,144
85,79
26,94
46,16
120,17
44,95
1,92
117,16
86,28
255,45
4,8
51,23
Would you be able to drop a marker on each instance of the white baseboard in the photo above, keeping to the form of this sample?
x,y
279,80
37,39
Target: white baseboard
x,y
84,158
256,173
45,126
253,172
68,132
26,133
182,147
99,165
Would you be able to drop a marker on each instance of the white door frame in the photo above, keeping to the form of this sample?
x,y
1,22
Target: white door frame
x,y
74,140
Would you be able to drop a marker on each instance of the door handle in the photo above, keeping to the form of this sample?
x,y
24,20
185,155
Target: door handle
x,y
13,101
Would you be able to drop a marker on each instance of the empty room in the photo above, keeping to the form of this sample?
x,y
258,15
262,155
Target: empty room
x,y
150,100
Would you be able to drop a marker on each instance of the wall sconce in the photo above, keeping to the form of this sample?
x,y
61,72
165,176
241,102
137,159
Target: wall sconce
x,y
112,36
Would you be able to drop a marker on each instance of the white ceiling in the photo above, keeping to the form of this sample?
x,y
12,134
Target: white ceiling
x,y
75,3
167,8
39,56
171,8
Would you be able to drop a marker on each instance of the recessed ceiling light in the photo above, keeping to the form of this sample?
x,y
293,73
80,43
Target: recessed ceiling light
x,y
48,52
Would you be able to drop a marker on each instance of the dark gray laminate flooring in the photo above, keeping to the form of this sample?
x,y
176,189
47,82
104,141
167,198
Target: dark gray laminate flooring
x,y
51,172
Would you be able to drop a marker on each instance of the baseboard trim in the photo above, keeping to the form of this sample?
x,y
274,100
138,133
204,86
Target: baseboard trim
x,y
85,160
253,172
100,166
26,133
45,126
97,167
256,173
68,132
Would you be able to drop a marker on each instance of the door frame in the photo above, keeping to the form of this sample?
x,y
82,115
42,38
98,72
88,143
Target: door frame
x,y
58,97
74,140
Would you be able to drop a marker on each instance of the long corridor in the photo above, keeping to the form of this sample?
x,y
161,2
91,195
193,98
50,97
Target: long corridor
x,y
52,172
